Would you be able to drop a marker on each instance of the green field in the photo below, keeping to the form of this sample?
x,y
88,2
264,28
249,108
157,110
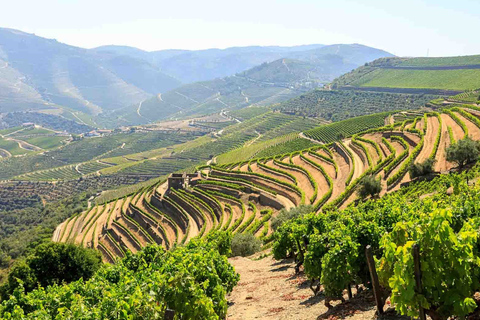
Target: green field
x,y
12,147
462,79
46,142
443,61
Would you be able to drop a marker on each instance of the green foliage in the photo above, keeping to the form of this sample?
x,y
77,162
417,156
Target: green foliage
x,y
463,152
369,186
422,169
52,263
245,244
21,230
331,132
285,215
191,280
449,260
338,105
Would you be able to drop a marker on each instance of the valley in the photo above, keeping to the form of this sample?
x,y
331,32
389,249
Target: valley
x,y
238,183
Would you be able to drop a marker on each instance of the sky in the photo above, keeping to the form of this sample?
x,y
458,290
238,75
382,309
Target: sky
x,y
404,28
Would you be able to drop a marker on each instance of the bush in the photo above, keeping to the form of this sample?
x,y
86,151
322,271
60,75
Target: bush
x,y
422,169
369,186
245,244
285,215
53,263
463,152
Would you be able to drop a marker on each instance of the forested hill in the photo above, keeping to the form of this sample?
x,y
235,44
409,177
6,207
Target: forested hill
x,y
447,75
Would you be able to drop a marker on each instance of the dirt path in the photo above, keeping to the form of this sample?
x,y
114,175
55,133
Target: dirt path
x,y
429,140
271,290
4,153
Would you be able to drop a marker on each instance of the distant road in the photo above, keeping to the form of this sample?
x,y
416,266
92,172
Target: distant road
x,y
139,106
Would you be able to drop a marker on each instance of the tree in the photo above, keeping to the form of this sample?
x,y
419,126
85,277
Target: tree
x,y
285,215
245,244
422,169
463,152
53,263
369,186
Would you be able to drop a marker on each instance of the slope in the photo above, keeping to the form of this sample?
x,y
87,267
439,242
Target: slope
x,y
40,73
445,75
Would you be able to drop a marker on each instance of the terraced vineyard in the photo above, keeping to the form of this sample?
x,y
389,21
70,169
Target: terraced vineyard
x,y
243,196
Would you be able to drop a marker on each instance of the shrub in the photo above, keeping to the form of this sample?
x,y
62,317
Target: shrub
x,y
369,186
245,244
53,263
463,152
285,215
422,169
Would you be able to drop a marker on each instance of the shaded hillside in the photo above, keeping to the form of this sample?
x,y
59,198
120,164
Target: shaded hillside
x,y
265,84
428,75
201,65
40,73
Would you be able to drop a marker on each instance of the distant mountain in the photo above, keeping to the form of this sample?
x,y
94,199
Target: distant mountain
x,y
38,73
113,85
265,84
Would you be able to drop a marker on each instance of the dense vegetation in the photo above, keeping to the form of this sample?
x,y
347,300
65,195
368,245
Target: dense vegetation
x,y
23,229
191,280
346,128
50,264
332,245
337,105
15,119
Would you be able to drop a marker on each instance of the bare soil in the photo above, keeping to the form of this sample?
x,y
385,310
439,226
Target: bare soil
x,y
429,139
270,289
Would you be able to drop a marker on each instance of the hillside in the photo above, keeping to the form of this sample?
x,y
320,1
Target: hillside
x,y
201,65
447,75
337,105
265,84
233,195
38,73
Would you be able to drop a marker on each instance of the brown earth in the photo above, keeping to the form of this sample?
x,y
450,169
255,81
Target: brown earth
x,y
270,289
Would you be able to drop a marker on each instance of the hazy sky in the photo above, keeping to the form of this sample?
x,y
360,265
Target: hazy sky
x,y
404,28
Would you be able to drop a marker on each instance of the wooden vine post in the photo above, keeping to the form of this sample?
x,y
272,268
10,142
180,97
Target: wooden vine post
x,y
169,314
374,278
418,277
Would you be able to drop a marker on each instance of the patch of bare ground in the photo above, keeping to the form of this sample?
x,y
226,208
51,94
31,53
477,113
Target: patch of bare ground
x,y
376,137
270,289
243,168
317,175
343,172
441,163
359,164
302,179
473,130
429,139
420,125
256,168
456,129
